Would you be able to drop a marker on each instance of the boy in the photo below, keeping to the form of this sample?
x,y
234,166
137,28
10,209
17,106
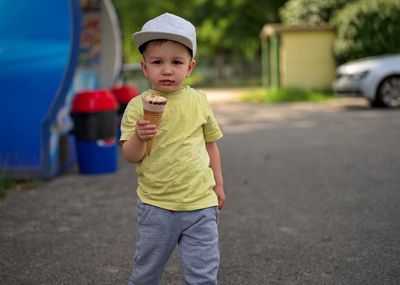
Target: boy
x,y
180,185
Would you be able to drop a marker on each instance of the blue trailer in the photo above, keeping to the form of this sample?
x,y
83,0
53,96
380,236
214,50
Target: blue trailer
x,y
40,71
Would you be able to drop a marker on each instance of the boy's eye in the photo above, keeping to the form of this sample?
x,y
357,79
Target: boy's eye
x,y
156,62
177,62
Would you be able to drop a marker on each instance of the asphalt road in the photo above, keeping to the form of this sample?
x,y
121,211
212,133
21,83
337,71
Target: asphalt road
x,y
313,198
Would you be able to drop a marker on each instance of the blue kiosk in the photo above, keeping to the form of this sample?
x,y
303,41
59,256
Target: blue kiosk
x,y
49,51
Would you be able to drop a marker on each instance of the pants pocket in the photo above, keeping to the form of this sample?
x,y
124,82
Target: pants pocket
x,y
143,211
216,211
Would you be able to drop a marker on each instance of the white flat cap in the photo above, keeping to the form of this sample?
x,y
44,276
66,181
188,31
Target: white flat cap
x,y
168,27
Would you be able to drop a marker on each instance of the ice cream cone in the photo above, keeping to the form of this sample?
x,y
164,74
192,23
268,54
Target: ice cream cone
x,y
154,118
153,108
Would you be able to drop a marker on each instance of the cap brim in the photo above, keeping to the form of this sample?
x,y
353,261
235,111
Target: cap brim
x,y
143,37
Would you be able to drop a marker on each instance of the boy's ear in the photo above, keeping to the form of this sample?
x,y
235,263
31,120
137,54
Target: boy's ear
x,y
144,68
191,67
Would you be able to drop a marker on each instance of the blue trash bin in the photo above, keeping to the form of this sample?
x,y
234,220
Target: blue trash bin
x,y
95,115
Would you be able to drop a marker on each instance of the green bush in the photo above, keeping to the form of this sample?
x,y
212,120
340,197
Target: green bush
x,y
310,12
5,184
366,28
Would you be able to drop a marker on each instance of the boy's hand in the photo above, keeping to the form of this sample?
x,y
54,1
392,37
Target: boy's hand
x,y
145,130
219,190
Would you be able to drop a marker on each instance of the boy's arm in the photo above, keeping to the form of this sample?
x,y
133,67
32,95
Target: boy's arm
x,y
215,164
134,148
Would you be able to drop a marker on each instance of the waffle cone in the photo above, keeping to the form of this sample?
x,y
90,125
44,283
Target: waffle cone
x,y
154,118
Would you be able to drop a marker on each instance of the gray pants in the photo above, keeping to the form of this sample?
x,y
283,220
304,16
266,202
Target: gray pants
x,y
159,231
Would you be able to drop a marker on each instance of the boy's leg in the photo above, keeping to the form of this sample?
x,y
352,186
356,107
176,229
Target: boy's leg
x,y
157,236
198,247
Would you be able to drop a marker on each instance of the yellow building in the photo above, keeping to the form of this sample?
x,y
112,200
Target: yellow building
x,y
298,57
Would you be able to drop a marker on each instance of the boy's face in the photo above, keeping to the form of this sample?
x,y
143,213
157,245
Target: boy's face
x,y
166,65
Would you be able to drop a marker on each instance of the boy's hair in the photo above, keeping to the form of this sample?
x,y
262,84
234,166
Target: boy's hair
x,y
142,48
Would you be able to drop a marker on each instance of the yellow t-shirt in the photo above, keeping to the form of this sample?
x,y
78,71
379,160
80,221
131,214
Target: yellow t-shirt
x,y
176,176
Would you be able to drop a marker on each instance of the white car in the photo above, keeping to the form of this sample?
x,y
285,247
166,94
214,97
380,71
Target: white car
x,y
375,78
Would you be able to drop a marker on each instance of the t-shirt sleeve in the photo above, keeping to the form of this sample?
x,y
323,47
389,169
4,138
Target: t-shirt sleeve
x,y
211,129
133,113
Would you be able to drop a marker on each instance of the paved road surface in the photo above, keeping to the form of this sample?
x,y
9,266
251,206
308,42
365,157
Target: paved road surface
x,y
313,198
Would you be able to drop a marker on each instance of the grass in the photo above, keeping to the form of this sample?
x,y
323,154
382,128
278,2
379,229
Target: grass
x,y
275,95
7,183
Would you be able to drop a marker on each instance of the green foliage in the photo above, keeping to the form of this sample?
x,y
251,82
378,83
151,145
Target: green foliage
x,y
223,27
310,12
364,27
367,28
5,184
277,95
233,26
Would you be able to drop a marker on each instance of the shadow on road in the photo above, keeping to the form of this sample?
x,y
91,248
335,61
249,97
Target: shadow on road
x,y
313,198
312,193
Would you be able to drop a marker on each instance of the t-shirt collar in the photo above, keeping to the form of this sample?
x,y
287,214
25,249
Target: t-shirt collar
x,y
169,93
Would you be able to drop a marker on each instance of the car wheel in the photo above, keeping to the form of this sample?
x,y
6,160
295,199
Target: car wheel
x,y
388,94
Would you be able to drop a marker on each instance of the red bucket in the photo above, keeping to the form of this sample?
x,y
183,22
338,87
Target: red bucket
x,y
124,94
94,101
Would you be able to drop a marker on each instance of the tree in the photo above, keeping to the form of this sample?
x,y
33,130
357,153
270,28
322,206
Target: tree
x,y
310,12
367,28
364,27
223,27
